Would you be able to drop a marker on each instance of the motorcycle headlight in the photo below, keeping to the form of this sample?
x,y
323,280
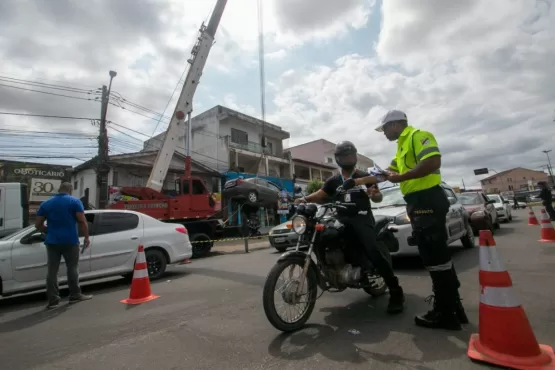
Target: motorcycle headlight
x,y
402,219
478,214
299,224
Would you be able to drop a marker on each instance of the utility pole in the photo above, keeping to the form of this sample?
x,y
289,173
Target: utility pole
x,y
103,167
549,168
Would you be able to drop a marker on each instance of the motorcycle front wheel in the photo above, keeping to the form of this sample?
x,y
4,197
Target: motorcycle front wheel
x,y
284,290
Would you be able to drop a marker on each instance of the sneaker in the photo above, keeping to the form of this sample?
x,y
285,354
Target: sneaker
x,y
80,298
52,305
396,301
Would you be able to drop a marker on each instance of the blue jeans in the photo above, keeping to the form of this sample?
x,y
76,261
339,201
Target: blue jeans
x,y
70,253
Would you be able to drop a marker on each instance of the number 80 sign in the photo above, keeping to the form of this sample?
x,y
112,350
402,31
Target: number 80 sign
x,y
43,189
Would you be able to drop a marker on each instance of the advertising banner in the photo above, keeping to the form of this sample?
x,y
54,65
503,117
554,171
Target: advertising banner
x,y
43,189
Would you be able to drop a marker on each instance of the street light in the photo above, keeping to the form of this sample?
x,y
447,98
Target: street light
x,y
549,165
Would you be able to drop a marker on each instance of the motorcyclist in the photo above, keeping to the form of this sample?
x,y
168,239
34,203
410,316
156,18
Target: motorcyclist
x,y
358,219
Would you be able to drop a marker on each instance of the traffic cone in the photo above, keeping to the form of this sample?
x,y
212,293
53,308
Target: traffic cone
x,y
140,286
547,230
506,338
532,220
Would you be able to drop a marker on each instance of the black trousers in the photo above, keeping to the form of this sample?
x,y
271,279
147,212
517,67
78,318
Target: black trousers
x,y
549,209
360,229
427,210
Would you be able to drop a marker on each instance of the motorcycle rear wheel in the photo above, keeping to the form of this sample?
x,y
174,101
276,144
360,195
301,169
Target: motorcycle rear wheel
x,y
268,298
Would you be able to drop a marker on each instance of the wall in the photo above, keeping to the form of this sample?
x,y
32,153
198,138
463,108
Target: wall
x,y
515,180
85,179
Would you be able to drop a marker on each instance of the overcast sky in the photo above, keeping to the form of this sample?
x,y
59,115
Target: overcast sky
x,y
479,74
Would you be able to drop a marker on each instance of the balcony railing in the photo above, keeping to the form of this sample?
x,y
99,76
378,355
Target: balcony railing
x,y
254,147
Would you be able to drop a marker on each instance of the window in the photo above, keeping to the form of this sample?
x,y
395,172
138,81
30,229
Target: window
x,y
262,182
329,160
274,187
239,137
114,222
75,185
269,147
509,179
198,187
115,178
185,187
90,224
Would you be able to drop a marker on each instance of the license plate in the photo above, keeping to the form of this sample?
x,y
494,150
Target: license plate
x,y
280,240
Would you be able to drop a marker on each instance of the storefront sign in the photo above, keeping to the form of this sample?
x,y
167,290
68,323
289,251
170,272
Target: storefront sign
x,y
38,172
43,189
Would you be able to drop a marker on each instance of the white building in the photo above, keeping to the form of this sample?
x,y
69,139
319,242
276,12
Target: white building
x,y
227,140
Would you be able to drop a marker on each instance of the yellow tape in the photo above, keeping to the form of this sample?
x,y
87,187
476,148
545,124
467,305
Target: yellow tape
x,y
228,239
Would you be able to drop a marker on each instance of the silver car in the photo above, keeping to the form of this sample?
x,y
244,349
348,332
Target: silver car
x,y
394,206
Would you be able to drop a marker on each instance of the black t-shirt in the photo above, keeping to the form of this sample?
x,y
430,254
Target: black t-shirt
x,y
356,195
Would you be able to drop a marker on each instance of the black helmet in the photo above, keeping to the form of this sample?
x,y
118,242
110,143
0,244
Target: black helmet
x,y
346,155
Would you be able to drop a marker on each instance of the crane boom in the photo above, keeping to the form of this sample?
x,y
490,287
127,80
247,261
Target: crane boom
x,y
184,105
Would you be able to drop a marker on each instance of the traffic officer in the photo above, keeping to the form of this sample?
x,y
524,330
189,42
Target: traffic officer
x,y
416,167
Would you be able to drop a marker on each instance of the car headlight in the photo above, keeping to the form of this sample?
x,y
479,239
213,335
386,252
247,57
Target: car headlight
x,y
299,224
499,208
402,219
478,214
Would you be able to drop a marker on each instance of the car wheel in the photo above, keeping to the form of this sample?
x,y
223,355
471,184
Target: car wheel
x,y
468,241
201,244
156,263
252,197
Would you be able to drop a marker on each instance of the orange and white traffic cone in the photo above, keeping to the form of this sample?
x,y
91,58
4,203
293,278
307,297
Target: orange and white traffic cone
x,y
532,220
140,286
506,338
547,230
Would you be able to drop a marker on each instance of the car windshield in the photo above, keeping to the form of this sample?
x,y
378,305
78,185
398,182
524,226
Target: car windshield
x,y
470,199
495,198
392,197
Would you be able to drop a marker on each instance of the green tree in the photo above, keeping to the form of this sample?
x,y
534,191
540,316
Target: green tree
x,y
314,185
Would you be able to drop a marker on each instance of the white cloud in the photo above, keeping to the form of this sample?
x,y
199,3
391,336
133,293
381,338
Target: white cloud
x,y
474,73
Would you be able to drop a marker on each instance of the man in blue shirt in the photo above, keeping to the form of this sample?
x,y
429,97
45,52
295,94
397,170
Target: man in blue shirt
x,y
62,214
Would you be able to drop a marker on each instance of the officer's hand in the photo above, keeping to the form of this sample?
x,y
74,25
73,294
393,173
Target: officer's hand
x,y
300,200
394,178
349,184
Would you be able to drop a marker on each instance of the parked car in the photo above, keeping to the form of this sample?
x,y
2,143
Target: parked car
x,y
502,207
282,237
255,191
394,206
483,215
115,236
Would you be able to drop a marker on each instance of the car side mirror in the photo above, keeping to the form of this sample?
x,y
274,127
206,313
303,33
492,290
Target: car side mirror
x,y
452,200
507,202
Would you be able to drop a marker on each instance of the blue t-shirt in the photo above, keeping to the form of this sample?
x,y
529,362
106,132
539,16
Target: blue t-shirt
x,y
60,213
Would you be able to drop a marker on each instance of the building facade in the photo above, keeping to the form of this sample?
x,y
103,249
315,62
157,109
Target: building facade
x,y
43,180
321,152
226,140
306,171
515,179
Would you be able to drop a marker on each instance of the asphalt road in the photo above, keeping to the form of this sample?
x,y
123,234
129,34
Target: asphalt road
x,y
210,316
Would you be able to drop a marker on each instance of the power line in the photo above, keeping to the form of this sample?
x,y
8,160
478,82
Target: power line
x,y
46,116
47,86
169,101
47,92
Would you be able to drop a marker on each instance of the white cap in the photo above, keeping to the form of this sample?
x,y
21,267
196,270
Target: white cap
x,y
392,115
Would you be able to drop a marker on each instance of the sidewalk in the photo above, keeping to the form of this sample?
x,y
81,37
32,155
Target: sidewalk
x,y
238,246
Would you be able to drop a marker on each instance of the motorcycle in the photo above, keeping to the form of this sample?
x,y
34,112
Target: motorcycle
x,y
333,269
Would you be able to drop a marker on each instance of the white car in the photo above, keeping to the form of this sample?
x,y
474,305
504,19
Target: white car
x,y
502,207
115,236
394,206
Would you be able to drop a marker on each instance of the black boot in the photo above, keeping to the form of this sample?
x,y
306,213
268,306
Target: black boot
x,y
396,297
442,315
459,309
